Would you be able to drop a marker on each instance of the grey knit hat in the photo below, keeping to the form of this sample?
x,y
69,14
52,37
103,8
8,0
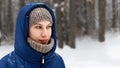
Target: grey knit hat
x,y
39,14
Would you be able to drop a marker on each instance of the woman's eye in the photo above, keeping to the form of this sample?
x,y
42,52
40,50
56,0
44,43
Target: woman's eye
x,y
38,27
49,27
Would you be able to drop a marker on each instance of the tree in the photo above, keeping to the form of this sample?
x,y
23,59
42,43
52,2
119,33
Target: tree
x,y
9,18
65,20
21,3
82,24
0,22
4,19
90,16
102,23
114,6
83,16
59,23
72,23
0,14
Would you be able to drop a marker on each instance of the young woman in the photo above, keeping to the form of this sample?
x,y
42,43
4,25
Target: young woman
x,y
35,40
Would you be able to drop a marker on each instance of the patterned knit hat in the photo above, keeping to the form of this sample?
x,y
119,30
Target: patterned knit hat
x,y
39,14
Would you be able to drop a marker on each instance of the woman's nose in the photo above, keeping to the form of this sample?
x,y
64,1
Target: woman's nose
x,y
44,33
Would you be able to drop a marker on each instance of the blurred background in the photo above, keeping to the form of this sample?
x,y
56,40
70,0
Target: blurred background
x,y
84,28
73,18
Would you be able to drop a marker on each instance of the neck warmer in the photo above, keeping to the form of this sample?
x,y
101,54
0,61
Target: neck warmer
x,y
43,48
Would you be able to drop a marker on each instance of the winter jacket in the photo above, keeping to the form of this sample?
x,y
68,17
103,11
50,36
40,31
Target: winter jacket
x,y
23,55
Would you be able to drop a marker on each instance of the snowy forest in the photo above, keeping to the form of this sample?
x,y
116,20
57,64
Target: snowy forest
x,y
88,31
73,19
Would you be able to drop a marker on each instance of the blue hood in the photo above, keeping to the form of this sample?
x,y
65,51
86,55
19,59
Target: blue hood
x,y
22,47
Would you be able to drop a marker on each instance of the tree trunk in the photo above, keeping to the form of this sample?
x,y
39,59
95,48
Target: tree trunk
x,y
96,15
83,16
65,21
114,6
0,21
59,24
22,3
102,5
72,23
4,19
90,16
10,19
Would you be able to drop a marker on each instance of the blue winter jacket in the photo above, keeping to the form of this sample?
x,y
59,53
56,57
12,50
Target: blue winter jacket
x,y
23,55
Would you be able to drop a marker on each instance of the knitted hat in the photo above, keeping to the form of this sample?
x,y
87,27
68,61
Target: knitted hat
x,y
39,14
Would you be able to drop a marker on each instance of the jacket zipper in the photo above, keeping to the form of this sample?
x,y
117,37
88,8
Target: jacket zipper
x,y
43,60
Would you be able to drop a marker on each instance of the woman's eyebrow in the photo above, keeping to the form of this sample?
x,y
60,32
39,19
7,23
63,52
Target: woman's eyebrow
x,y
39,24
49,24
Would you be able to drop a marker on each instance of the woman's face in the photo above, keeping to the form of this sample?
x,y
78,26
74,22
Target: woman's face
x,y
41,32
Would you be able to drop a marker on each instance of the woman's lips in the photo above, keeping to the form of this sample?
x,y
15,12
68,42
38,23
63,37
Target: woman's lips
x,y
44,41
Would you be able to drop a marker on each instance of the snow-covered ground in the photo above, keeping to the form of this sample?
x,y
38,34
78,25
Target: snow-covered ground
x,y
89,53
